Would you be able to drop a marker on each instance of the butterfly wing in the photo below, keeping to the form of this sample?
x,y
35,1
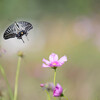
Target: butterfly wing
x,y
26,25
10,32
13,29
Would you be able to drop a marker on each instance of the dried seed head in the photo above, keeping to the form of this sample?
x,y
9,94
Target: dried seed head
x,y
20,54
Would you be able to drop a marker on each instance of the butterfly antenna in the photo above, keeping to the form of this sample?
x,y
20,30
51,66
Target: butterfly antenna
x,y
27,37
10,20
22,40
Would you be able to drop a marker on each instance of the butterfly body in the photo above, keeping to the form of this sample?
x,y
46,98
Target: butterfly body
x,y
20,34
18,29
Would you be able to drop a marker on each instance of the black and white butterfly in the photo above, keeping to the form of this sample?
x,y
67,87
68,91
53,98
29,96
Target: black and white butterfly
x,y
17,29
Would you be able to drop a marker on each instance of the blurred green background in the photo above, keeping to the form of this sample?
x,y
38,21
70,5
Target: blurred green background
x,y
65,27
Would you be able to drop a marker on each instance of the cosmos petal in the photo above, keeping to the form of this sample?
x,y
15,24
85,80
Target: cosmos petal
x,y
46,61
44,65
53,57
62,59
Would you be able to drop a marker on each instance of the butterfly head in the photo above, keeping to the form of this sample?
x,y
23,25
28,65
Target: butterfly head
x,y
20,34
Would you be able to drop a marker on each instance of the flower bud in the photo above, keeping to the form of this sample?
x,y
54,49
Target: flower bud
x,y
58,91
20,54
47,86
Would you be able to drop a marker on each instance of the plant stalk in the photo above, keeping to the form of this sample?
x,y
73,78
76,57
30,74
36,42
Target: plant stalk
x,y
6,80
17,76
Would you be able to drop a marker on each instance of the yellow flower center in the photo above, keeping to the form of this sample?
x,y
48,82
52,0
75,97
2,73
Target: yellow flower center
x,y
54,63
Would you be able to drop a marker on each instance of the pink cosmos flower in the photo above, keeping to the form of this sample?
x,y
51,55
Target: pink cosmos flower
x,y
58,91
53,61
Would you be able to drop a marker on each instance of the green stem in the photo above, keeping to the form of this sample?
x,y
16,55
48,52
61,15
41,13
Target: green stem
x,y
17,76
8,85
59,98
54,77
48,95
55,80
66,98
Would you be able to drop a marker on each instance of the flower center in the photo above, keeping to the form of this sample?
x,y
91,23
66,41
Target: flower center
x,y
54,64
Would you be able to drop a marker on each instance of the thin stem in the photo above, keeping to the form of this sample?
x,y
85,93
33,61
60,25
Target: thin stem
x,y
48,95
8,85
59,98
55,80
66,98
17,76
54,77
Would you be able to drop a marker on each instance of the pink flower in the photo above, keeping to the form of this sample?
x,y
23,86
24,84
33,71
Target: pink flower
x,y
53,61
58,91
42,85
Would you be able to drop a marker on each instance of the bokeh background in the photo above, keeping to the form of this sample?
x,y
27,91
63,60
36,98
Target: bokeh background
x,y
65,27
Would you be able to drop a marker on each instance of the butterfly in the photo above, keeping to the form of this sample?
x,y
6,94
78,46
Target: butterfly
x,y
17,29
